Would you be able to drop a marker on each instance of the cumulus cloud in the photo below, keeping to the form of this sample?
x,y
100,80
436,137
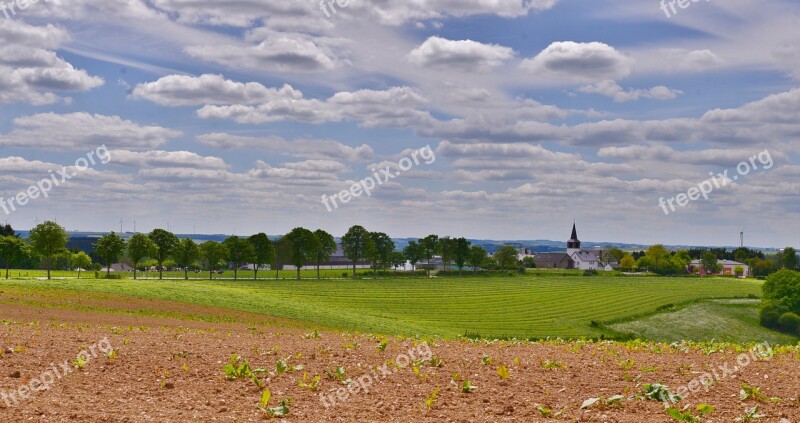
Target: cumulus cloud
x,y
83,131
159,158
182,90
30,72
464,55
573,61
280,52
302,148
612,89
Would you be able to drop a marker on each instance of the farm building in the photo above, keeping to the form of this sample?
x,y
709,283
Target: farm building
x,y
554,261
728,268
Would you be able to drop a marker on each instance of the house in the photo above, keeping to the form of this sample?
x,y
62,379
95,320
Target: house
x,y
525,252
728,268
554,261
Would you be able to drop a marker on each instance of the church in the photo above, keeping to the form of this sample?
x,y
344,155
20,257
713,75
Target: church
x,y
575,258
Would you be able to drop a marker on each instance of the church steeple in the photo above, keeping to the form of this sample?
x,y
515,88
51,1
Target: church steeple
x,y
574,243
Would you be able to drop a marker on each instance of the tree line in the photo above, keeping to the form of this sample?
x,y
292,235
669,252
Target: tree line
x,y
48,241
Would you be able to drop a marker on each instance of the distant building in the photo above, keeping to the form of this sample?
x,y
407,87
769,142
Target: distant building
x,y
337,261
586,259
728,268
554,261
574,258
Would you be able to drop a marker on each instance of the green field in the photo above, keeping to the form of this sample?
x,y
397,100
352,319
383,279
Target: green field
x,y
713,320
520,306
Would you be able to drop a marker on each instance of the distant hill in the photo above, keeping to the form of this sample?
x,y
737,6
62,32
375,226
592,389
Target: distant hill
x,y
84,240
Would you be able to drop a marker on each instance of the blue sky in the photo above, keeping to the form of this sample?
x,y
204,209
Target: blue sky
x,y
237,117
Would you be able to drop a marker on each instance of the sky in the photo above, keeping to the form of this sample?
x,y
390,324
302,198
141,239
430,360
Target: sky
x,y
642,121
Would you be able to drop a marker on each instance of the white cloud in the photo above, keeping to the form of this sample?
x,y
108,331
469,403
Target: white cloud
x,y
181,90
83,131
611,89
573,61
463,55
302,148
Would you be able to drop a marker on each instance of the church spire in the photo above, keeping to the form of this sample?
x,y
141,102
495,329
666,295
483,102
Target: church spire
x,y
574,243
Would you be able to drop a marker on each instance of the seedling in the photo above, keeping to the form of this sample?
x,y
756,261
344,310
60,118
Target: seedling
x,y
751,414
687,417
436,361
79,363
751,392
502,371
431,399
467,387
658,392
309,384
382,346
486,360
547,364
337,374
282,410
603,403
112,355
312,335
238,367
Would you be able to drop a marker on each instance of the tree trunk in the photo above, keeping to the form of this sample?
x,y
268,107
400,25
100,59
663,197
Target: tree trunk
x,y
186,273
236,273
354,268
318,278
48,268
298,272
7,272
135,265
108,272
255,271
211,273
160,270
79,274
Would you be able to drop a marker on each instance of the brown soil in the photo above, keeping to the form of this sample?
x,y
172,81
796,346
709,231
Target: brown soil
x,y
169,370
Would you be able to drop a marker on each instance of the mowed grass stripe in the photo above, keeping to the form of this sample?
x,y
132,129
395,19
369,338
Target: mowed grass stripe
x,y
522,306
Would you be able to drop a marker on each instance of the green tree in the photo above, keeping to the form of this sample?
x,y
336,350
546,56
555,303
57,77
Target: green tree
x,y
381,251
784,287
304,247
529,262
264,251
477,257
12,250
109,248
461,253
412,254
788,259
7,230
709,262
48,239
428,248
326,247
627,262
397,259
447,248
166,244
212,253
506,257
240,252
613,255
140,247
355,244
186,254
738,271
81,260
283,252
